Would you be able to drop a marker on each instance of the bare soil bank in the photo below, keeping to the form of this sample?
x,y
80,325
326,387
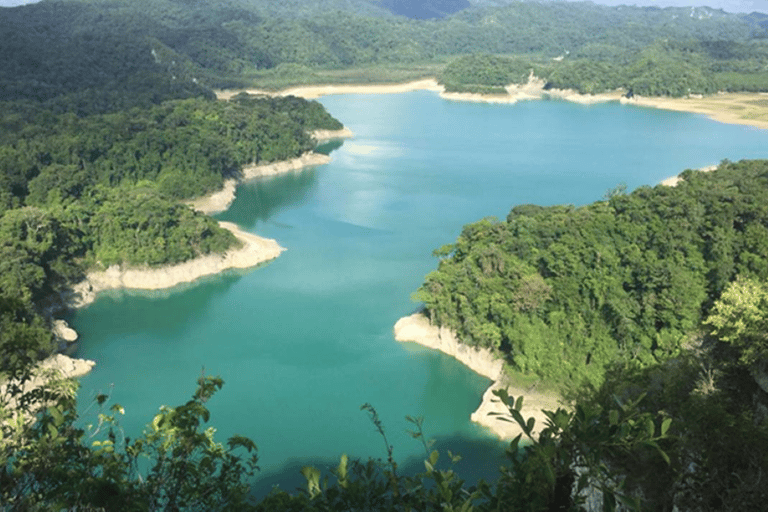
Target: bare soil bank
x,y
417,329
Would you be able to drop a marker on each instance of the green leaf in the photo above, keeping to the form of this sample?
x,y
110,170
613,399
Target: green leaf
x,y
519,403
433,457
665,426
312,475
609,501
613,417
518,417
341,470
58,417
515,443
650,428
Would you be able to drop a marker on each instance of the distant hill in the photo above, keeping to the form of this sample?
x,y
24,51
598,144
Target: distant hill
x,y
425,9
53,48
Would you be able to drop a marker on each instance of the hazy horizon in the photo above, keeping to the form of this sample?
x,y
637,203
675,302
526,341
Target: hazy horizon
x,y
735,6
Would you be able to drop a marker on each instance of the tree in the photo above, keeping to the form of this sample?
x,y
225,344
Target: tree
x,y
740,317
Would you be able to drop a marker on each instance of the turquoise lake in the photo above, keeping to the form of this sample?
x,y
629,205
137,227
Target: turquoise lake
x,y
305,340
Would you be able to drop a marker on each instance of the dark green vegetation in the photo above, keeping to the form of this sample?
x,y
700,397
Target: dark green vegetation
x,y
670,51
656,300
567,292
663,68
100,137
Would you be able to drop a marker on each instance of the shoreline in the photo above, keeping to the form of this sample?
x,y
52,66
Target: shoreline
x,y
729,108
255,250
220,200
672,181
721,107
417,329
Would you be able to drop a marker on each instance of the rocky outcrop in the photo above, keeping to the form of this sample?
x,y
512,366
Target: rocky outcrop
x,y
65,336
308,159
53,369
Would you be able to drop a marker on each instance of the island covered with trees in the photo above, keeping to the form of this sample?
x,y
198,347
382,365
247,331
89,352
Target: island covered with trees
x,y
652,304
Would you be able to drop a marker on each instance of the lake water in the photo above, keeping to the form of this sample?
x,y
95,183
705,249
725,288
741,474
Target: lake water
x,y
304,341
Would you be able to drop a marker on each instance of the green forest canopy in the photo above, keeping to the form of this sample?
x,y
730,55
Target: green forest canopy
x,y
117,44
107,117
566,292
677,421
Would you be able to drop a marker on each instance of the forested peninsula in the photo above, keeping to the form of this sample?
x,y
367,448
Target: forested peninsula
x,y
647,310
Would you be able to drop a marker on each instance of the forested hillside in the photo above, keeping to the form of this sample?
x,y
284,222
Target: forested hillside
x,y
567,292
102,133
651,305
649,50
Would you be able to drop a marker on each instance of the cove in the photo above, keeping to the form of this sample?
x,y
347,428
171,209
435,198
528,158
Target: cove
x,y
303,341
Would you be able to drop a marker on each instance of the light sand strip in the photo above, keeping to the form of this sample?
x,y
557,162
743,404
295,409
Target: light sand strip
x,y
417,329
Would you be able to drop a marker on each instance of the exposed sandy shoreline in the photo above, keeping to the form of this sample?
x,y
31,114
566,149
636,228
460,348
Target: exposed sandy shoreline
x,y
733,108
417,329
255,250
222,199
674,180
311,92
730,108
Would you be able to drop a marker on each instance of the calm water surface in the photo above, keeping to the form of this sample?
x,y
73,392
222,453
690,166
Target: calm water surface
x,y
303,341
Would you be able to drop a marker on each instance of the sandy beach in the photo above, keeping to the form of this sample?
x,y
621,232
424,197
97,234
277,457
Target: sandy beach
x,y
417,329
749,109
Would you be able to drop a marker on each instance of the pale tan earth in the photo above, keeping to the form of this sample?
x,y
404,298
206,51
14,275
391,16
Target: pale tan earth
x,y
418,329
255,250
55,368
674,180
733,108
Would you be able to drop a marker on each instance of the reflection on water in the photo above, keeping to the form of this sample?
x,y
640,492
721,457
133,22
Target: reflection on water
x,y
327,147
259,200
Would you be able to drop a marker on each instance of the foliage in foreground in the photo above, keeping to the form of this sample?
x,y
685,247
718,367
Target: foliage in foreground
x,y
52,464
689,433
